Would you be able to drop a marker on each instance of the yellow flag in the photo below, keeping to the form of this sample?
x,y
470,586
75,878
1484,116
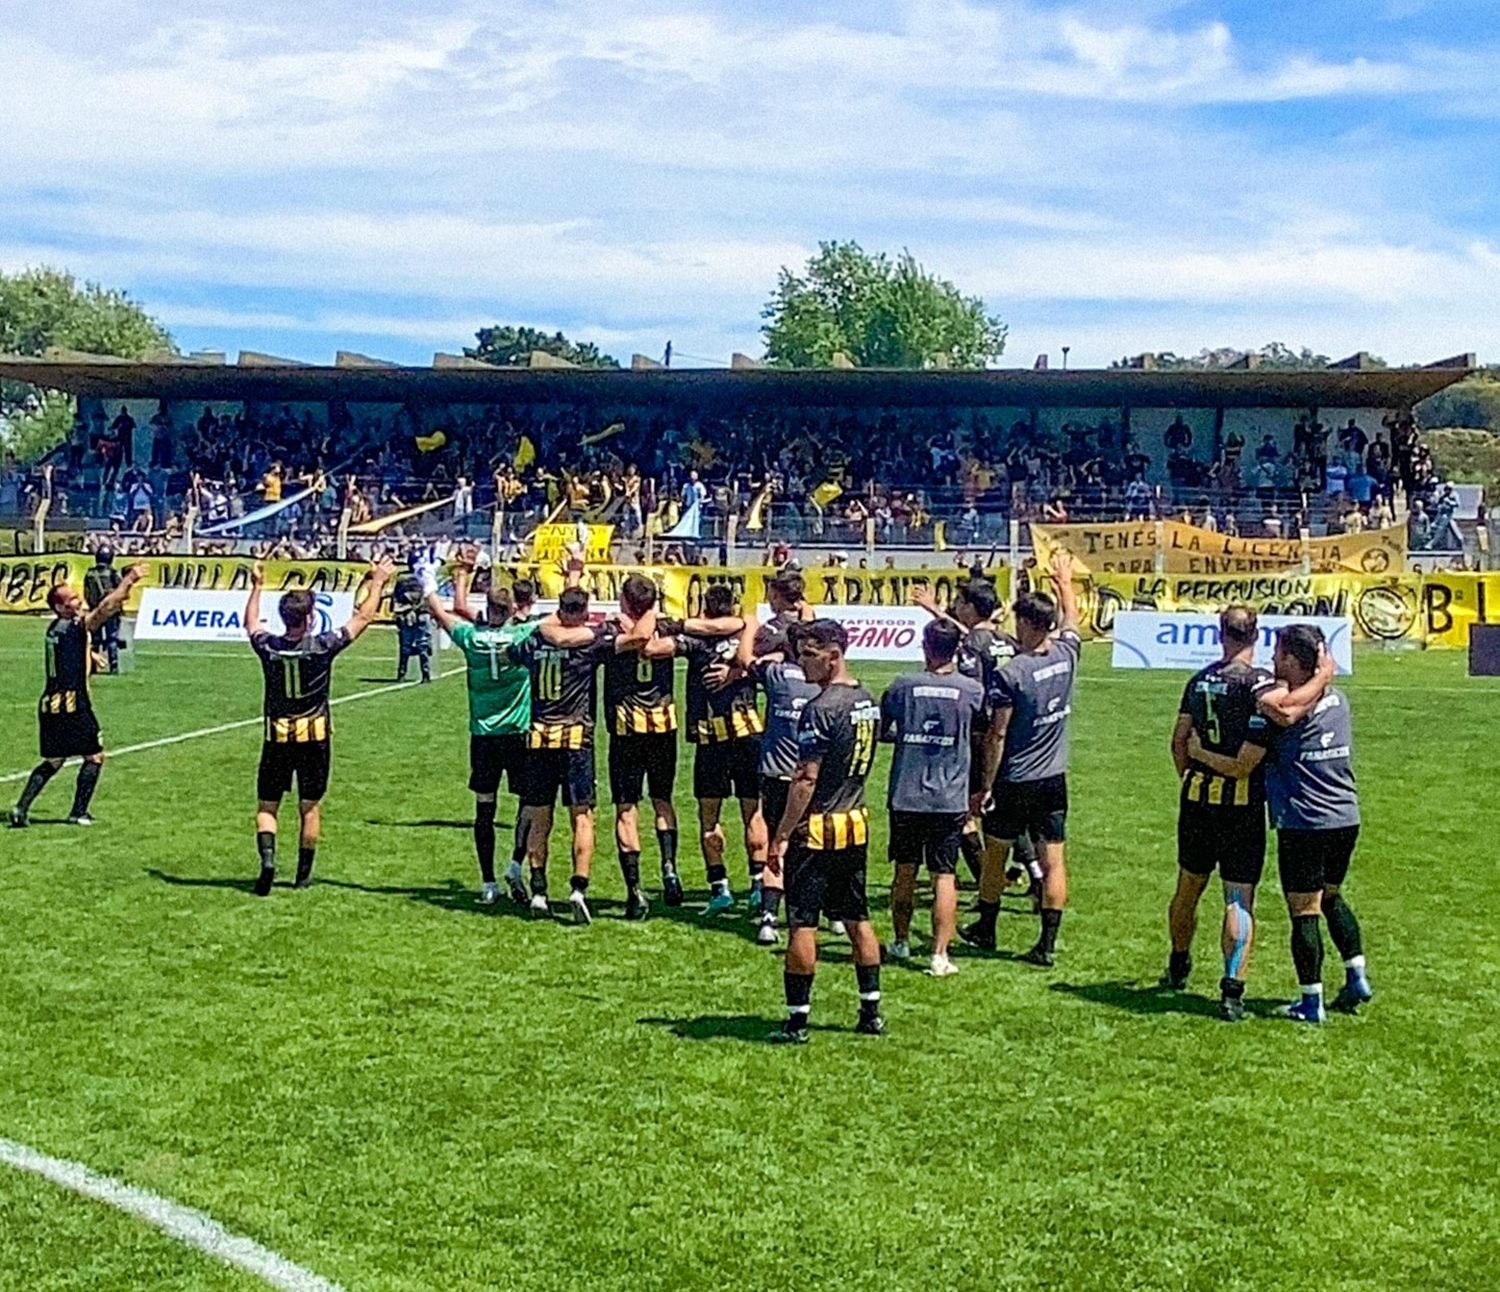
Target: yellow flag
x,y
525,454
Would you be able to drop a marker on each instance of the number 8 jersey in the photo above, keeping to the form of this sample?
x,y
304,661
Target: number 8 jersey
x,y
839,728
298,672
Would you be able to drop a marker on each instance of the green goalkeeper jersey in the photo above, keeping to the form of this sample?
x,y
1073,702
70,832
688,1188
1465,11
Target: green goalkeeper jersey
x,y
499,690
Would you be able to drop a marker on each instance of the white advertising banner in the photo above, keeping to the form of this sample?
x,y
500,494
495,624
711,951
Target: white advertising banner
x,y
1186,642
890,633
188,615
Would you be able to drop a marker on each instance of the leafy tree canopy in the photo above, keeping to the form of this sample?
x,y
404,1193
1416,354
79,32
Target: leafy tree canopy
x,y
881,313
511,347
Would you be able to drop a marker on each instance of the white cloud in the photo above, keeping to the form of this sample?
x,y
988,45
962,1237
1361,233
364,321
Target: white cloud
x,y
647,170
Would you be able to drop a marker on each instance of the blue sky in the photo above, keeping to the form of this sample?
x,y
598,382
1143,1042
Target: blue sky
x,y
1115,177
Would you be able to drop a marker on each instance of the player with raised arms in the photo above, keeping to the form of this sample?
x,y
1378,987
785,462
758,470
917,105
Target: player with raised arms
x,y
65,713
297,667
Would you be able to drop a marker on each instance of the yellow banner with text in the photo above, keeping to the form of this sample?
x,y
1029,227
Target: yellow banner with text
x,y
1135,547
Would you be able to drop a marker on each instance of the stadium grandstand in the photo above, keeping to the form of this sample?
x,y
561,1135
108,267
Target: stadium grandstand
x,y
316,461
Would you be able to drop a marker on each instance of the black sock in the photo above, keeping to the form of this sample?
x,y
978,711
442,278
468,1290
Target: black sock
x,y
770,902
1178,963
988,913
718,874
1343,928
579,883
667,841
518,849
484,838
41,774
1232,988
868,978
265,844
757,869
1307,950
798,998
88,777
972,847
1051,922
630,869
305,858
538,881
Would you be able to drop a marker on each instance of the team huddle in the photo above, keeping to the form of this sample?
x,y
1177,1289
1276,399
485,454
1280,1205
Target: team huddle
x,y
980,739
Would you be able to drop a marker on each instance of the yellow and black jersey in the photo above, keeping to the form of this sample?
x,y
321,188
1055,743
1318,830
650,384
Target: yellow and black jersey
x,y
638,699
728,713
67,651
564,688
839,729
1221,702
298,673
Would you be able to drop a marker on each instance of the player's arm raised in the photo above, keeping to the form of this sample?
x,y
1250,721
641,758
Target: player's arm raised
x,y
252,605
1287,707
1067,595
364,615
921,596
114,599
448,619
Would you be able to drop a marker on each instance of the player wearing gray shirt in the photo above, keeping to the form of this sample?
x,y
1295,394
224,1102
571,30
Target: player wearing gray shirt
x,y
1026,757
1315,808
929,717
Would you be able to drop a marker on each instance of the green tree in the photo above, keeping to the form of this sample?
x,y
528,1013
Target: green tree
x,y
511,347
881,313
1274,356
42,309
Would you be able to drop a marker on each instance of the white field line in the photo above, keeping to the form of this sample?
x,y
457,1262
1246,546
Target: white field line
x,y
184,1224
236,726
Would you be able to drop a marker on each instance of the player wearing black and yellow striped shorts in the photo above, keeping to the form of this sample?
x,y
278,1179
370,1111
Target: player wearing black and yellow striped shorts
x,y
724,725
297,749
1221,820
560,746
641,714
822,840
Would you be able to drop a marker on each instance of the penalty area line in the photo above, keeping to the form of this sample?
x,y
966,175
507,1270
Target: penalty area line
x,y
185,1224
238,725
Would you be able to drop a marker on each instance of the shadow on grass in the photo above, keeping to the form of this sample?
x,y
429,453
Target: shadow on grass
x,y
735,1027
1137,997
245,885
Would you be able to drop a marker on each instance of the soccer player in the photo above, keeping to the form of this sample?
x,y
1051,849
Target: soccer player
x,y
984,648
725,727
298,668
1315,809
641,712
822,840
929,717
499,716
1221,819
772,660
98,583
1026,757
65,713
560,744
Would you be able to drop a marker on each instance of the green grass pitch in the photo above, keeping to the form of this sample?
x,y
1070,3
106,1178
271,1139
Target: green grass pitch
x,y
400,1090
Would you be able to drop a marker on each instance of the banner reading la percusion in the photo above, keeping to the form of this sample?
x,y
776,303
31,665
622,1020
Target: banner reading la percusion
x,y
25,581
1434,610
1133,548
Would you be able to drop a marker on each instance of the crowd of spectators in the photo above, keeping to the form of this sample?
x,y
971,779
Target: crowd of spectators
x,y
821,475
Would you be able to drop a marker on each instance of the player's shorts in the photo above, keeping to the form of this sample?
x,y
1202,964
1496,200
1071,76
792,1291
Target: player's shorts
x,y
773,796
1037,808
727,769
70,735
414,639
928,839
546,773
1231,838
1311,860
646,761
830,883
494,757
307,762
